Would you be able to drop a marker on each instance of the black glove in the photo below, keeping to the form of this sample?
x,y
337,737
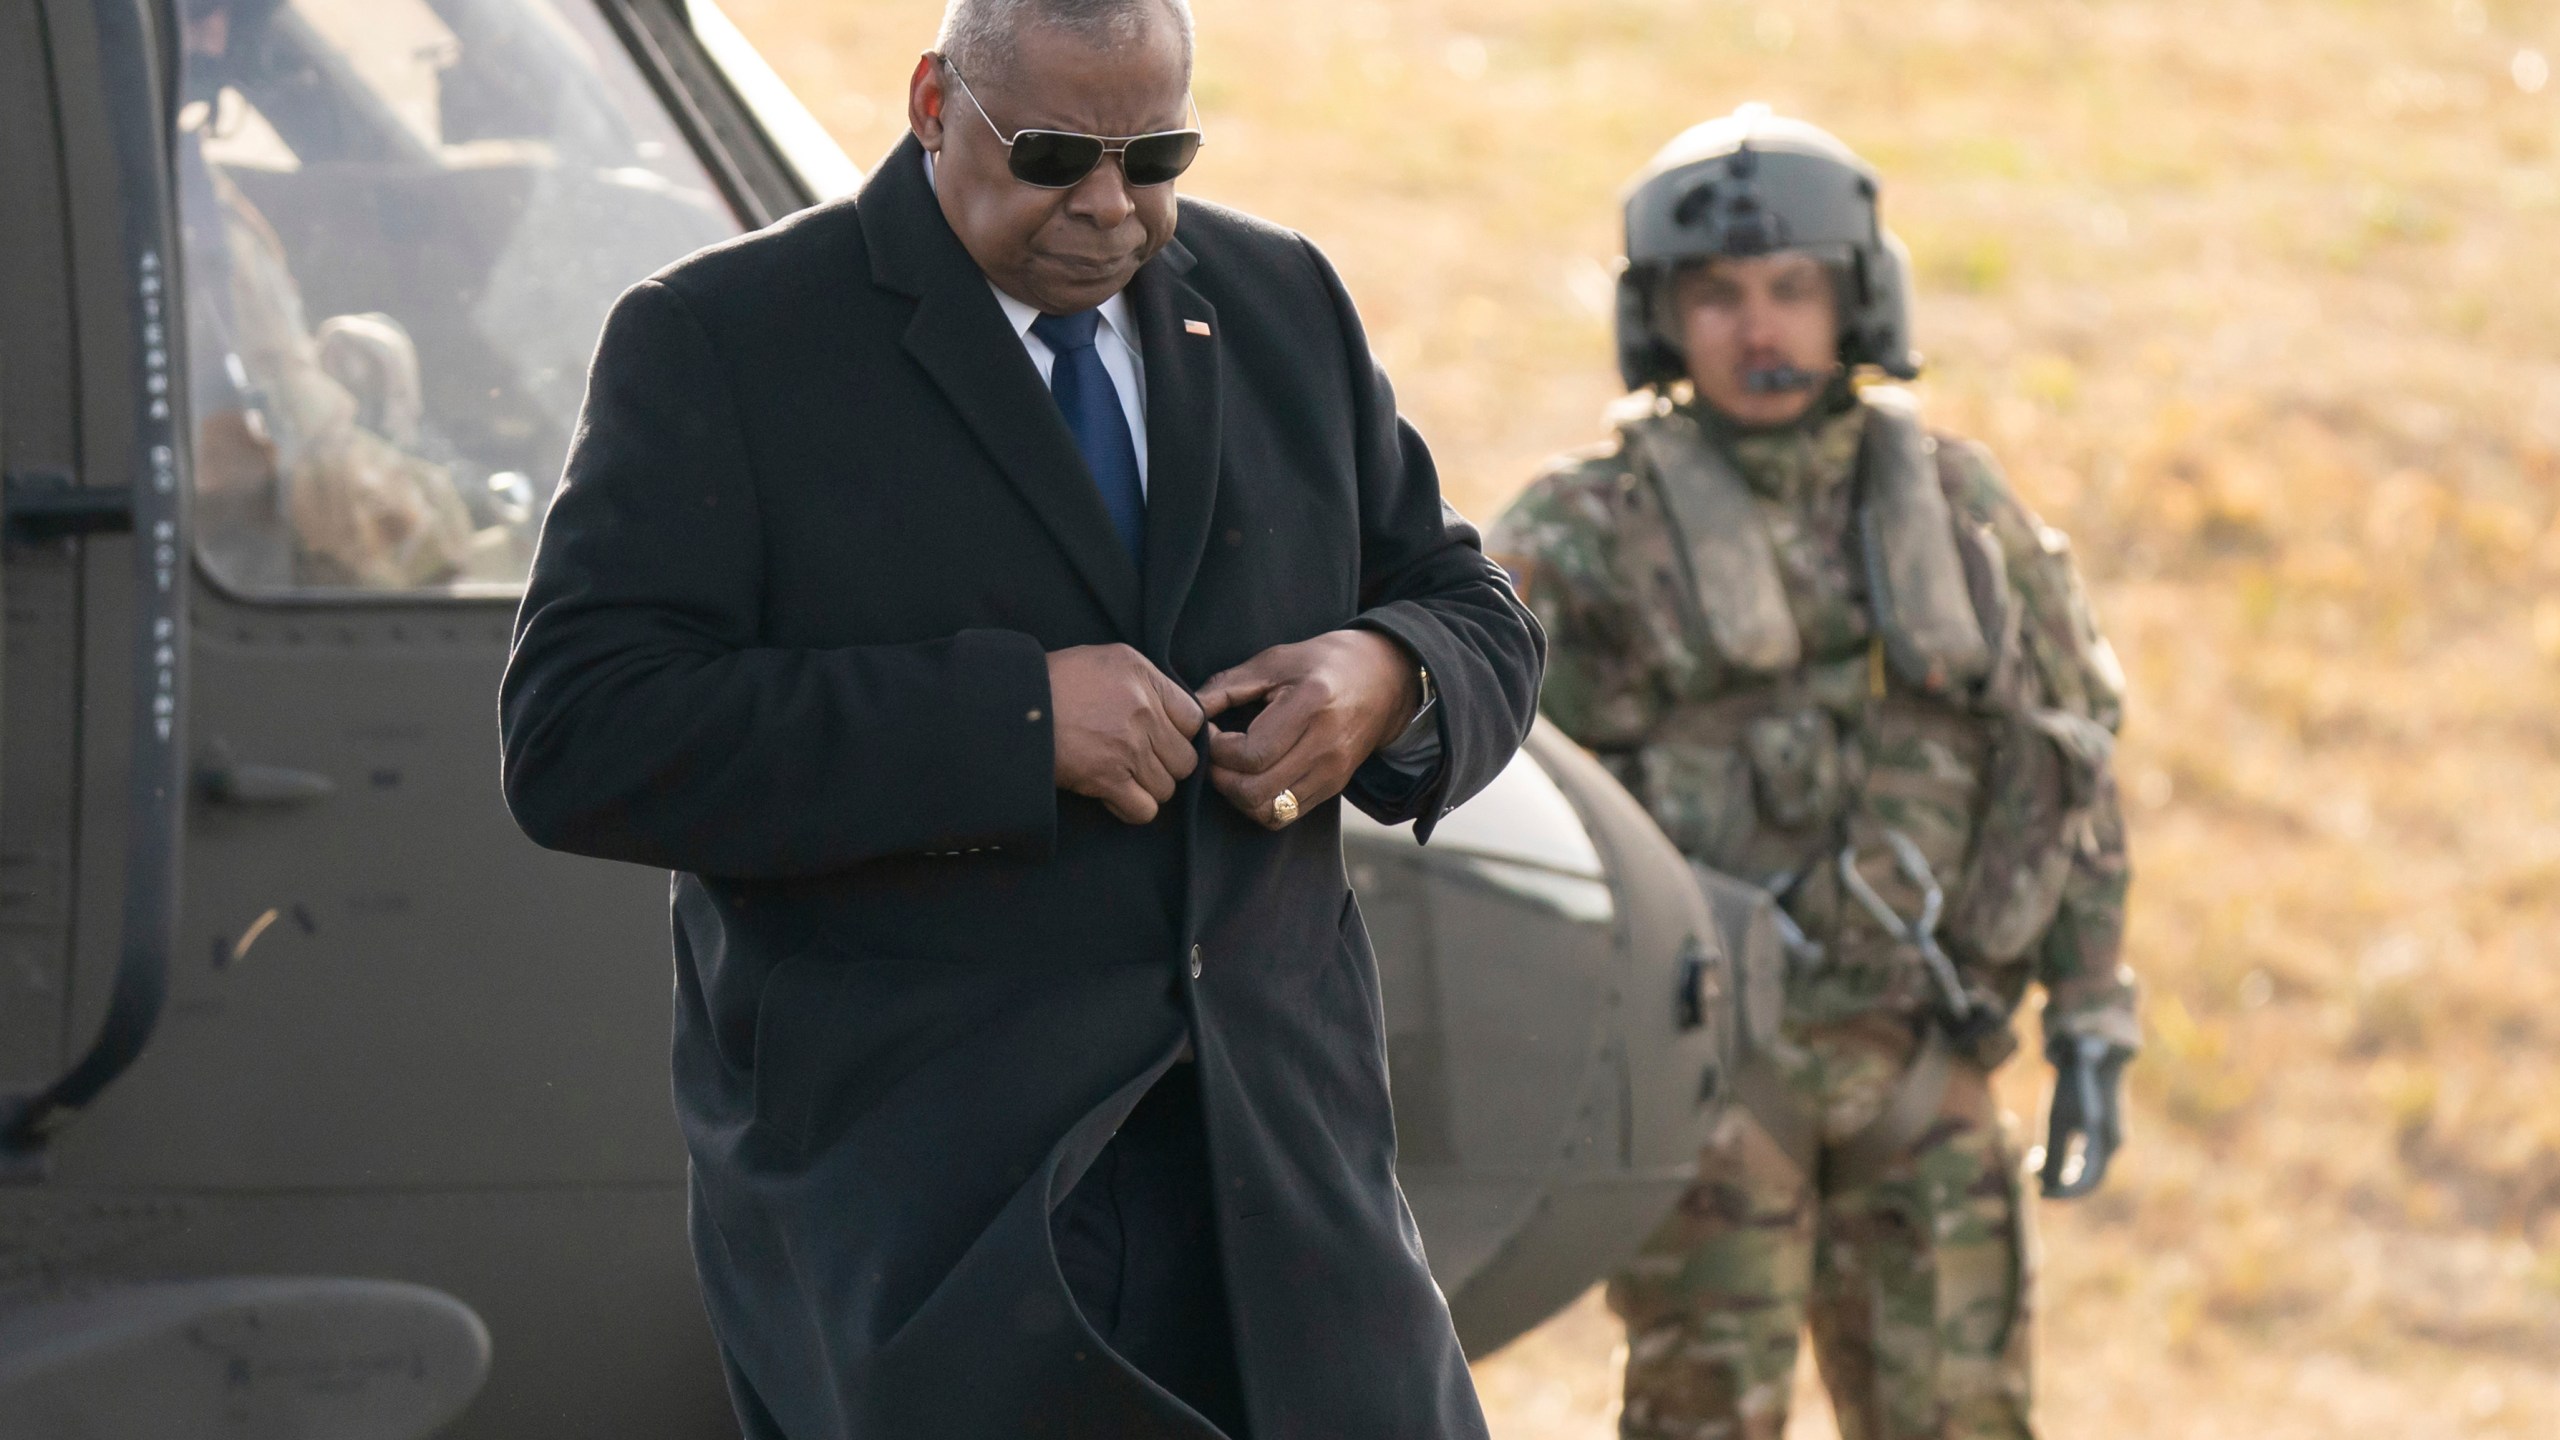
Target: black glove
x,y
2088,1083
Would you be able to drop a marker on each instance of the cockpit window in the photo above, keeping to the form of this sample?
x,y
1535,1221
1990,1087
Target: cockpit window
x,y
404,221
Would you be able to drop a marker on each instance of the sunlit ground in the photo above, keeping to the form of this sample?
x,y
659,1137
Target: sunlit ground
x,y
2257,298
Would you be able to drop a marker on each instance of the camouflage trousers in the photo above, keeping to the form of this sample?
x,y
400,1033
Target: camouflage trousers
x,y
1915,1285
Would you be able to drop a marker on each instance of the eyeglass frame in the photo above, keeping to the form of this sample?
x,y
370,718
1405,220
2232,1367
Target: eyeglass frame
x,y
1111,144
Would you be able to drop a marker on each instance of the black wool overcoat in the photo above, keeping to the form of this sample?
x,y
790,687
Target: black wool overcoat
x,y
785,637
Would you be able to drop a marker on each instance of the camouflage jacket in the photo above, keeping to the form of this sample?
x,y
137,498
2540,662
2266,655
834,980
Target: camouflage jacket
x,y
1770,775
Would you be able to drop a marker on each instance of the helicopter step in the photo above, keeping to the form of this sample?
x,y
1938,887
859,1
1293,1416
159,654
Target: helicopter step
x,y
242,1359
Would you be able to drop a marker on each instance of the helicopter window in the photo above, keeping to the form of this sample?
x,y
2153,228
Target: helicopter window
x,y
404,221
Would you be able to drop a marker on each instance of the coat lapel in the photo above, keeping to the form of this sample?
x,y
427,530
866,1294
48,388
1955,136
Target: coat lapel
x,y
1177,331
960,338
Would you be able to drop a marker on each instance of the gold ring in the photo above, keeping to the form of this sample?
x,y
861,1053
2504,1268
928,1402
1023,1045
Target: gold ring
x,y
1284,807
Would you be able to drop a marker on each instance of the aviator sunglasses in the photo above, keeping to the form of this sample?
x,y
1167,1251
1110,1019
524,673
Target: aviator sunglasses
x,y
1060,159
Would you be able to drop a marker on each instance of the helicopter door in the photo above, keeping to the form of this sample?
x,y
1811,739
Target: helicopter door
x,y
402,224
402,1042
38,449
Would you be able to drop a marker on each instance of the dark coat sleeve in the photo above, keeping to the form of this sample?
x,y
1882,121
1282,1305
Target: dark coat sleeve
x,y
643,718
1425,582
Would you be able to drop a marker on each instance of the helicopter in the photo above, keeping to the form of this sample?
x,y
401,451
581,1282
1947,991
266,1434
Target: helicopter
x,y
329,1105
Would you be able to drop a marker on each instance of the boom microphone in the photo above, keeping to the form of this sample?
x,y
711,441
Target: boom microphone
x,y
1780,380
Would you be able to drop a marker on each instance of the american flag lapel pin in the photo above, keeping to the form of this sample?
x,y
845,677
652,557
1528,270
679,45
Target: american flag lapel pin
x,y
1195,327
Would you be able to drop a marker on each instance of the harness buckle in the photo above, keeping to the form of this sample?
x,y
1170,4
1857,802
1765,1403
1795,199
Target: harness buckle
x,y
1963,1015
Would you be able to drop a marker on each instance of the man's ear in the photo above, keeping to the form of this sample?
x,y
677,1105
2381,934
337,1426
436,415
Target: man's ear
x,y
925,98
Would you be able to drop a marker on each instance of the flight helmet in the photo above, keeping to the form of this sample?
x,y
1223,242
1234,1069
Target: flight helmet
x,y
1754,183
242,58
247,15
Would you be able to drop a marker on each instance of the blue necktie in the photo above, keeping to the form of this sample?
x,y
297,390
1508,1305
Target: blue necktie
x,y
1091,405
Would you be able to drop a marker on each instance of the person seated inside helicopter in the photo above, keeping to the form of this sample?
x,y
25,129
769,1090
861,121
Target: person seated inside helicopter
x,y
308,457
459,188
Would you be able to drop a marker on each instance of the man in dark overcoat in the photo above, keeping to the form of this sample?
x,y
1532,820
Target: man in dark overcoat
x,y
979,592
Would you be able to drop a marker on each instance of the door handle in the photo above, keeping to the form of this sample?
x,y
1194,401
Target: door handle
x,y
225,781
42,505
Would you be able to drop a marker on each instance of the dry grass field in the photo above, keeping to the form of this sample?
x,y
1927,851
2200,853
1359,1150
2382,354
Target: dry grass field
x,y
2257,298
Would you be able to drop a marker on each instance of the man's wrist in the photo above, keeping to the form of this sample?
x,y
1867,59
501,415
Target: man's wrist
x,y
1413,693
1420,715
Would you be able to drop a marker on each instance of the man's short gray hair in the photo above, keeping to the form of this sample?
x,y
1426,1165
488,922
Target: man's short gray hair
x,y
977,35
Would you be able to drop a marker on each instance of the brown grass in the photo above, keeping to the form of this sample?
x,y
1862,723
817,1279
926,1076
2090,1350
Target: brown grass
x,y
2256,298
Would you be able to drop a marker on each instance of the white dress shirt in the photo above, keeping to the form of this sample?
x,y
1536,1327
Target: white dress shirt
x,y
1115,339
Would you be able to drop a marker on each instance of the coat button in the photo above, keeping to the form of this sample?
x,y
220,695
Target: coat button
x,y
1195,962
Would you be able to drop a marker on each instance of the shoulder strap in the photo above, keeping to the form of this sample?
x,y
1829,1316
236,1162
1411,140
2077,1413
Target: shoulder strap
x,y
1915,577
1733,569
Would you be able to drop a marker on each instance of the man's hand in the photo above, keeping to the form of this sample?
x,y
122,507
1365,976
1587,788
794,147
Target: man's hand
x,y
1329,703
2088,1104
1123,729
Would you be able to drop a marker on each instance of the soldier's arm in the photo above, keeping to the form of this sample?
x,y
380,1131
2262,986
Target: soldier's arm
x,y
2089,990
1560,542
2077,666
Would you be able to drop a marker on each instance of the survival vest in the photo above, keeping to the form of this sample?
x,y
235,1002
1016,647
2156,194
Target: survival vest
x,y
1948,668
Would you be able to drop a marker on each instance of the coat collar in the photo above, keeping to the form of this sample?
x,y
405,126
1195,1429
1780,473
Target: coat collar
x,y
960,337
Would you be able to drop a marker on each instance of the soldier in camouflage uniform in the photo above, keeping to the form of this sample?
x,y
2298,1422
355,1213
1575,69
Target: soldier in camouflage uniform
x,y
1838,660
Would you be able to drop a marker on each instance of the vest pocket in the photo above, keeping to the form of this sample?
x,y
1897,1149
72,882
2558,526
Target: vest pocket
x,y
1702,797
2022,857
1924,775
1795,767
